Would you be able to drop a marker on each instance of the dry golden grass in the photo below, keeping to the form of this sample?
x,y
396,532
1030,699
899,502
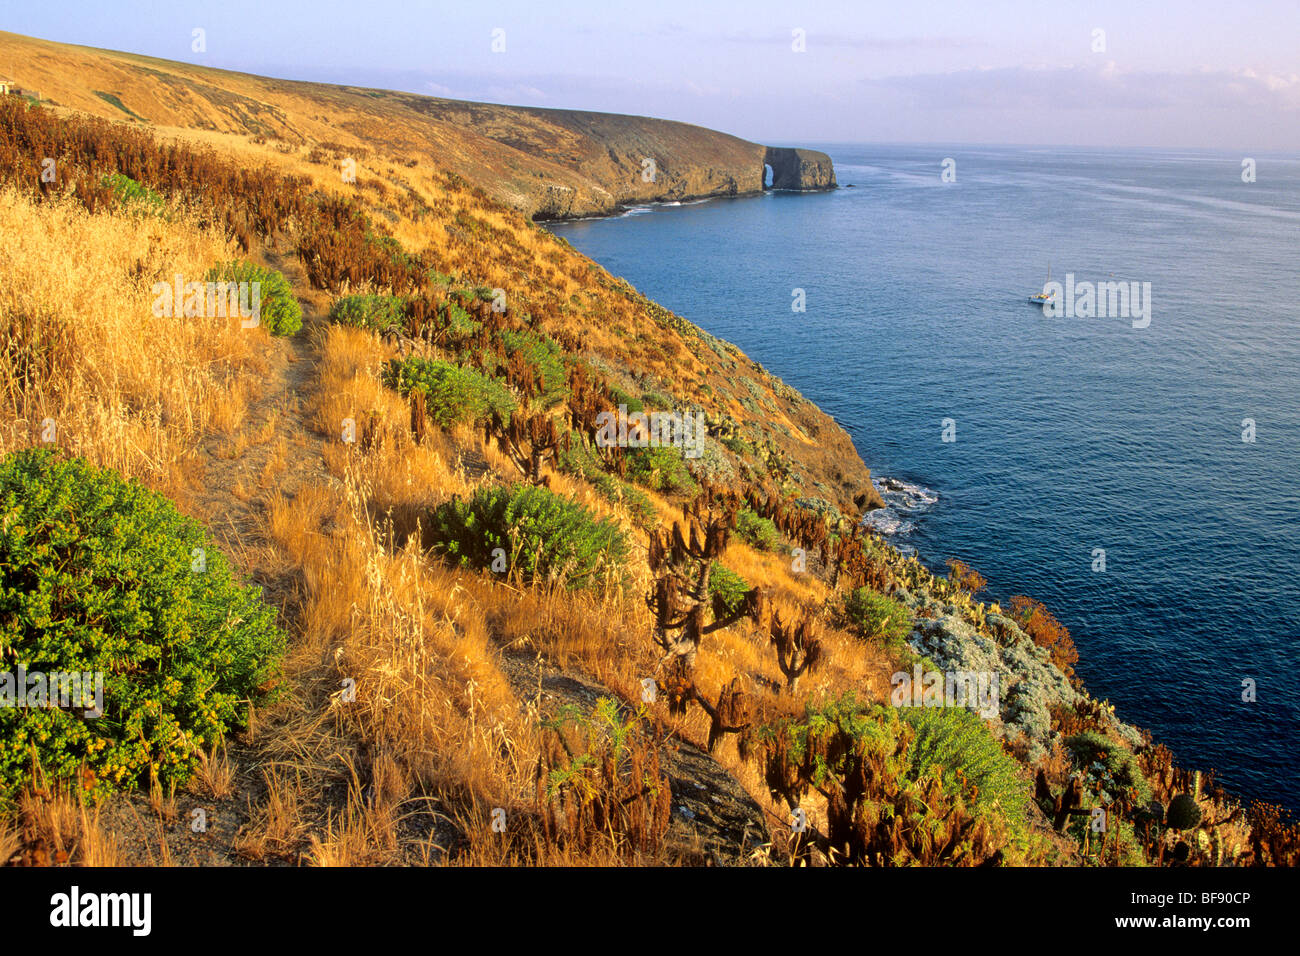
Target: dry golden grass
x,y
229,409
11,841
162,801
278,823
431,708
214,776
59,829
435,736
123,388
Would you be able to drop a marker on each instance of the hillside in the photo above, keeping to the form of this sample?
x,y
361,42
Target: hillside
x,y
546,163
371,583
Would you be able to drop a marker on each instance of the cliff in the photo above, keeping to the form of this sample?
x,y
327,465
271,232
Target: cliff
x,y
546,163
802,169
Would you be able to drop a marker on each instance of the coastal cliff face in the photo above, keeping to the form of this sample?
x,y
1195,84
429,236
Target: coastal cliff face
x,y
613,161
802,169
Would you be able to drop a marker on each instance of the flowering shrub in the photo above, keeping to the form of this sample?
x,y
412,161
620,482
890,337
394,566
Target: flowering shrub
x,y
99,575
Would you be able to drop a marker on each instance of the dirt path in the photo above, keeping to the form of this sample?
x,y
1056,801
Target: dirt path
x,y
275,450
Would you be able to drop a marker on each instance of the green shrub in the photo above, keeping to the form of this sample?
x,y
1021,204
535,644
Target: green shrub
x,y
737,445
543,353
101,575
130,192
375,313
460,324
453,394
1119,767
620,397
757,531
545,537
955,739
727,589
876,617
281,313
660,469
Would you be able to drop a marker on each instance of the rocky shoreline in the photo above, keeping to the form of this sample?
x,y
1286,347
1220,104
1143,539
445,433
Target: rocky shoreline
x,y
957,633
792,170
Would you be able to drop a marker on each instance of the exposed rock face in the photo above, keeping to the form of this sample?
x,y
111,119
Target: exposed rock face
x,y
565,163
799,168
714,820
959,636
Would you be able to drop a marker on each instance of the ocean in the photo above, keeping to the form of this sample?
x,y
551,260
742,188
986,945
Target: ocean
x,y
1074,438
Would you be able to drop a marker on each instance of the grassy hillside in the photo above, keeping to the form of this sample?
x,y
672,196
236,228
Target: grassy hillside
x,y
502,641
544,162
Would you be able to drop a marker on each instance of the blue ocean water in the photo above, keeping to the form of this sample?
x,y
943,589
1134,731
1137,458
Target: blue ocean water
x,y
1072,434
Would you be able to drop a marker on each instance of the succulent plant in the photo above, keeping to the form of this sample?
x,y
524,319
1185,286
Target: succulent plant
x,y
1153,812
1183,812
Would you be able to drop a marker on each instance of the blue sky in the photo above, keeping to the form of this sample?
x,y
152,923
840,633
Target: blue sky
x,y
1189,73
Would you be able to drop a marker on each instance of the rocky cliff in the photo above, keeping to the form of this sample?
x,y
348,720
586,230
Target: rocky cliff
x,y
803,169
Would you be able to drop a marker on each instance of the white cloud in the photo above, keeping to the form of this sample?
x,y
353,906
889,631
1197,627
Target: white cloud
x,y
1107,86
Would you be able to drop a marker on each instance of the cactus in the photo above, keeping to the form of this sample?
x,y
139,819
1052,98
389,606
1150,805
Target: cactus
x,y
1184,813
798,650
1068,804
682,561
530,442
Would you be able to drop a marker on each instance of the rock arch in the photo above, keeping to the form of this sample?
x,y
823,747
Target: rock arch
x,y
801,169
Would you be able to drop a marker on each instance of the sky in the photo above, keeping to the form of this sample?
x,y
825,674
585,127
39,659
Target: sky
x,y
1178,73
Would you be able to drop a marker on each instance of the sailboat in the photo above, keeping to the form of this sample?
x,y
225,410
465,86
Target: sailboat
x,y
1043,298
